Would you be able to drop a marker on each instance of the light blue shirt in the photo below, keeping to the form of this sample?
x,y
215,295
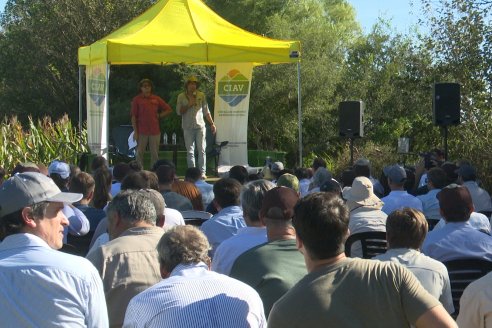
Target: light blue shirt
x,y
398,199
192,297
223,225
230,249
207,191
43,287
430,204
457,240
432,274
78,224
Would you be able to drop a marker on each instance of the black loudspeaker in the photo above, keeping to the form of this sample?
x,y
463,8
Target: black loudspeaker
x,y
446,104
350,114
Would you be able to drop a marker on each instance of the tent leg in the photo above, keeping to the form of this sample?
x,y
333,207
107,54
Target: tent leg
x,y
81,69
299,110
106,135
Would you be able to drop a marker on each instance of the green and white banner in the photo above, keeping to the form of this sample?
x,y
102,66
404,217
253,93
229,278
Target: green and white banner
x,y
97,108
232,92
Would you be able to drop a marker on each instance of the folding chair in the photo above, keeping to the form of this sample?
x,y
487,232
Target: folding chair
x,y
195,218
373,243
462,272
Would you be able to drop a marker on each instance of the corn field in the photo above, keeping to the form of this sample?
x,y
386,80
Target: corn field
x,y
40,142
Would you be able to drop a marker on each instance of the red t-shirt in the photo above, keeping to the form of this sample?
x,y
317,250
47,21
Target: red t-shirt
x,y
145,110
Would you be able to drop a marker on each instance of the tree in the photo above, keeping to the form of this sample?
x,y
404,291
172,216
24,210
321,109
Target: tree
x,y
38,50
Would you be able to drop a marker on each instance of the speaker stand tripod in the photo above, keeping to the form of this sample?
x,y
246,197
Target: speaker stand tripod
x,y
445,141
351,151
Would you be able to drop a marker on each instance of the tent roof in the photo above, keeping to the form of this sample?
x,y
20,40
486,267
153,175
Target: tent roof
x,y
185,31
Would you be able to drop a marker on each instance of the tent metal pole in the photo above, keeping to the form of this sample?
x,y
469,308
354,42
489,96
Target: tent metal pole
x,y
106,154
80,103
299,110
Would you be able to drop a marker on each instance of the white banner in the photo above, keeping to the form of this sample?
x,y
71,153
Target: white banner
x,y
97,108
232,91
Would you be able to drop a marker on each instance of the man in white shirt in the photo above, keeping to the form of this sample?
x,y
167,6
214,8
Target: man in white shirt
x,y
248,237
457,239
190,295
398,198
40,285
405,232
467,176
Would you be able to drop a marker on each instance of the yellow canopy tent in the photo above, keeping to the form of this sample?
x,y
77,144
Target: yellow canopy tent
x,y
189,32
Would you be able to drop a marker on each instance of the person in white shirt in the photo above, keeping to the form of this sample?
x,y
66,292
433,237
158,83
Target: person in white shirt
x,y
42,286
248,237
190,295
467,176
398,198
405,231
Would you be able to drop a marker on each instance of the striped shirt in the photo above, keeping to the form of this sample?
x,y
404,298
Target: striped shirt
x,y
193,296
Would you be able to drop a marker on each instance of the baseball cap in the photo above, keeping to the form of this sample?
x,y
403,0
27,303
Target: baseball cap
x,y
277,167
25,189
278,203
361,192
60,168
395,173
288,180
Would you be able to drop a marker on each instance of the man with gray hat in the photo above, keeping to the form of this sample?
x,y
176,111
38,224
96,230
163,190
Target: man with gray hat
x,y
192,106
40,285
398,198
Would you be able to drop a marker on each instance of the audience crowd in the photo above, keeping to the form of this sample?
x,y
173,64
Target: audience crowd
x,y
122,246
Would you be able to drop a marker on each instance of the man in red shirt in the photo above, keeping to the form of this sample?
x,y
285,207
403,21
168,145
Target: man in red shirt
x,y
147,108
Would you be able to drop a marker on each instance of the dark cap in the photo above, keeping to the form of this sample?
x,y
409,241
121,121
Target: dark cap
x,y
278,203
395,173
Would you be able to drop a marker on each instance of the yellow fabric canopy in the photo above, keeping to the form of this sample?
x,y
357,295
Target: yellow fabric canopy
x,y
189,32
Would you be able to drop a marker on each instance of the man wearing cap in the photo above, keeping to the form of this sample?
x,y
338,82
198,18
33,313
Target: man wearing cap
x,y
248,237
192,107
146,110
128,262
41,286
398,198
348,292
365,210
273,268
276,170
78,223
467,176
290,181
457,239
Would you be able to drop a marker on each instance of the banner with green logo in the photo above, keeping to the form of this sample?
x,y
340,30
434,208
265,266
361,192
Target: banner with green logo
x,y
232,91
97,106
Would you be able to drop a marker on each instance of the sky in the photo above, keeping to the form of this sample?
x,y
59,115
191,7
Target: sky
x,y
399,12
402,15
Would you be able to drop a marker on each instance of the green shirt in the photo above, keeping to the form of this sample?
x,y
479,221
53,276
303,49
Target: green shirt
x,y
271,268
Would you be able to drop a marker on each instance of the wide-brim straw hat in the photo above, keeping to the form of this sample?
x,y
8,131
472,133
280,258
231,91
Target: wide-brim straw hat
x,y
361,192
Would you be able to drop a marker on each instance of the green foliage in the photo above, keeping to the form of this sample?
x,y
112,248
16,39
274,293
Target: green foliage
x,y
41,141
